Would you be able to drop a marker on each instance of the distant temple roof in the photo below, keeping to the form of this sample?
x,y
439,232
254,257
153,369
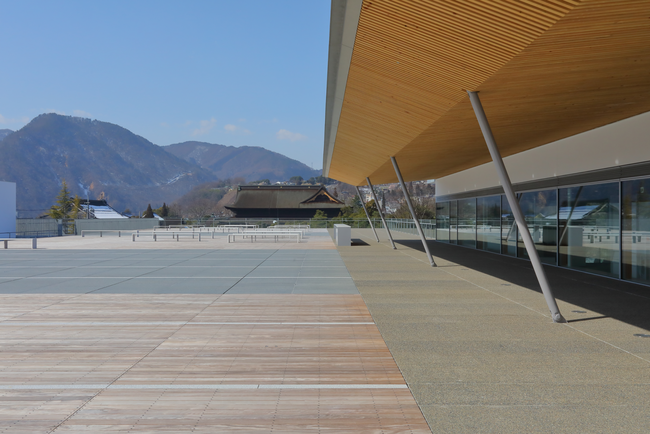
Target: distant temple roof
x,y
284,201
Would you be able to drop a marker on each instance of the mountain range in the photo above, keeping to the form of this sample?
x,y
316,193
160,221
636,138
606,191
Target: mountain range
x,y
250,162
4,133
99,159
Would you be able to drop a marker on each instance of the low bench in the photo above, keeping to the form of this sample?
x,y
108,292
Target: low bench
x,y
238,228
177,228
6,241
276,229
291,227
101,232
275,234
174,235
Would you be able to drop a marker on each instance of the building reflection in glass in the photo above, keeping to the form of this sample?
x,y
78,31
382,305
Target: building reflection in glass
x,y
453,222
508,229
636,230
442,222
467,222
589,228
488,223
540,211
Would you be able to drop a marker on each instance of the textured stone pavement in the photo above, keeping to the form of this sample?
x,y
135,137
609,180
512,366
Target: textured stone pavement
x,y
476,345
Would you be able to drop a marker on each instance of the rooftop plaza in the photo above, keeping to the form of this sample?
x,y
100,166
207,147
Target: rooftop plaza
x,y
107,334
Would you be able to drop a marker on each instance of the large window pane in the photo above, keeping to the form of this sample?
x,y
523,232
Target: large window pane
x,y
488,223
467,222
453,222
540,211
636,230
442,222
589,228
508,229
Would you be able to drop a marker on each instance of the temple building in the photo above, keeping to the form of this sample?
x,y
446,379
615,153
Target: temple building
x,y
284,201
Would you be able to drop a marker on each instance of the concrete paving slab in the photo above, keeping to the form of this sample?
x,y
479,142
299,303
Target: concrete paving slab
x,y
324,272
196,272
272,271
263,286
169,285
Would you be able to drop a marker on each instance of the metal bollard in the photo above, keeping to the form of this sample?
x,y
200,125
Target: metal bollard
x,y
155,238
199,236
33,243
133,236
100,234
119,234
83,234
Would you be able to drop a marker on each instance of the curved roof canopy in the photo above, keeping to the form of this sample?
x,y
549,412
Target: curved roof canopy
x,y
399,72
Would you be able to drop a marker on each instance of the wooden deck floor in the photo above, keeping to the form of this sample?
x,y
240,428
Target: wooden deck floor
x,y
200,363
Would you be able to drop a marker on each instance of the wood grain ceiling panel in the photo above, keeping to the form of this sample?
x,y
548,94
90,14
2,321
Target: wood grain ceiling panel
x,y
591,69
411,64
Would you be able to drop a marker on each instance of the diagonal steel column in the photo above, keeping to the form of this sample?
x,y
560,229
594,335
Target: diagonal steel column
x,y
410,205
366,211
514,206
381,215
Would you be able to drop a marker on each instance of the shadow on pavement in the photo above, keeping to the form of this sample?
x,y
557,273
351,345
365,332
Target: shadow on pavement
x,y
624,301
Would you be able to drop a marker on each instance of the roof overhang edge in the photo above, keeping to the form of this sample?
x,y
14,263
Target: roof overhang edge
x,y
344,21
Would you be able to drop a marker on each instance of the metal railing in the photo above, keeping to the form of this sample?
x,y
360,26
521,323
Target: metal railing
x,y
41,228
408,226
262,223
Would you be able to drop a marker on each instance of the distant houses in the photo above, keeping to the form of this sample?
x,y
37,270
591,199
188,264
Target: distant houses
x,y
99,209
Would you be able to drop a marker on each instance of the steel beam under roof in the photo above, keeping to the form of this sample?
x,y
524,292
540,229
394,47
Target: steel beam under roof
x,y
545,70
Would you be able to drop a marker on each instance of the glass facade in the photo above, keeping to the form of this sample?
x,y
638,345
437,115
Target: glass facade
x,y
508,229
453,222
540,212
636,230
488,223
597,228
589,228
442,222
467,222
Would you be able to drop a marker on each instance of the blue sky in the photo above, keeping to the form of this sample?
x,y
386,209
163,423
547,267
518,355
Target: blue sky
x,y
238,72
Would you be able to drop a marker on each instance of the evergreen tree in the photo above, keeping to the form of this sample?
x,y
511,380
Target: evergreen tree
x,y
75,207
164,211
148,214
64,203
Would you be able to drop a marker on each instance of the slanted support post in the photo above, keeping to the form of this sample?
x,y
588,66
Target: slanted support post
x,y
514,206
366,211
410,205
381,215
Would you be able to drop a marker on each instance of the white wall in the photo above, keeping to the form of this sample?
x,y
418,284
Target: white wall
x,y
7,209
620,143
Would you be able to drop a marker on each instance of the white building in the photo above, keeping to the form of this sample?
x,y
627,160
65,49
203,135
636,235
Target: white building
x,y
7,209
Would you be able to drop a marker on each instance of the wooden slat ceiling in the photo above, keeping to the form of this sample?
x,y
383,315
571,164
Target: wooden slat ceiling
x,y
545,70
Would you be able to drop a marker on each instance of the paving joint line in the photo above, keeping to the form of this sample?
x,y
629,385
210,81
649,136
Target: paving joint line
x,y
263,261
